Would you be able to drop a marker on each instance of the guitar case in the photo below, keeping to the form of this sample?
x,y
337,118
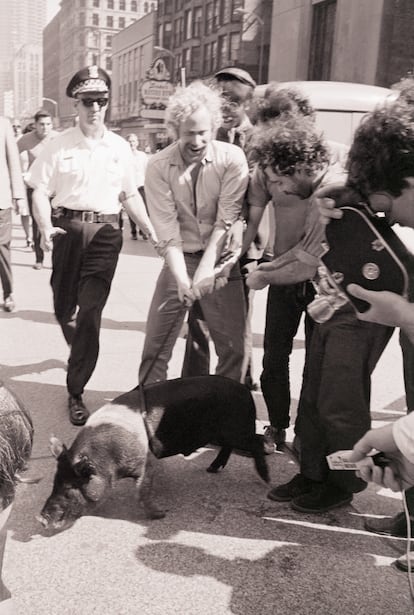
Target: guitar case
x,y
363,249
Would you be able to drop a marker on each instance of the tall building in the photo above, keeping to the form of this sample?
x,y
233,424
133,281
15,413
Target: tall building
x,y
21,25
86,29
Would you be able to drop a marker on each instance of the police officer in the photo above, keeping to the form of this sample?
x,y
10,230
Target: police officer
x,y
87,171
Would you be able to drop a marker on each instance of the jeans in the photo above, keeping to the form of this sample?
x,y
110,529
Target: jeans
x,y
335,396
223,310
84,262
285,306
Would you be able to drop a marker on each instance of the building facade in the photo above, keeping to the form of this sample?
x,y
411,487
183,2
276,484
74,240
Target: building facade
x,y
342,40
21,25
51,67
86,30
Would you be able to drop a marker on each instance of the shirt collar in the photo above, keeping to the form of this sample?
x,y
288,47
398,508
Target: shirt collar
x,y
177,160
81,138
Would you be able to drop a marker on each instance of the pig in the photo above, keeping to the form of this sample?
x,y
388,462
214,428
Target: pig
x,y
162,419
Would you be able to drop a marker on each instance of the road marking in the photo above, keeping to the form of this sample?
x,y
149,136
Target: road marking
x,y
331,528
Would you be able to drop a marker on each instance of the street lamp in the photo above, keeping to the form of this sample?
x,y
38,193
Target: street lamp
x,y
260,21
168,52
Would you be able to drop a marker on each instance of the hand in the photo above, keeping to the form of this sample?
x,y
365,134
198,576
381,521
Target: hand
x,y
16,205
46,240
185,293
327,210
400,472
234,238
387,308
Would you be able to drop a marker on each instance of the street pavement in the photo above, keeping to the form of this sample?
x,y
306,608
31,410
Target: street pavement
x,y
223,548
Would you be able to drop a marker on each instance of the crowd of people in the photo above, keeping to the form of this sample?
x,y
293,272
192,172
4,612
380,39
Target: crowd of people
x,y
238,201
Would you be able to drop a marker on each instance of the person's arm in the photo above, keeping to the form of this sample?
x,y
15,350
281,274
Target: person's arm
x,y
297,264
387,308
135,208
396,440
41,212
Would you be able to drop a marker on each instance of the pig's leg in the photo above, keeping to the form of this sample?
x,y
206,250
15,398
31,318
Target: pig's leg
x,y
144,484
221,460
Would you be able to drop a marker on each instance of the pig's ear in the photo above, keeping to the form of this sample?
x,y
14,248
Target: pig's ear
x,y
84,467
95,488
56,447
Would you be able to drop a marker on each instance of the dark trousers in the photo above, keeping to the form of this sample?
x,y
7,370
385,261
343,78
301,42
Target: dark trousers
x,y
5,261
84,262
197,350
335,396
407,348
285,306
35,229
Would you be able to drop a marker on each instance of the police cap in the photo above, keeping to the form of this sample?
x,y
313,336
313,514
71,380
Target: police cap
x,y
89,79
238,74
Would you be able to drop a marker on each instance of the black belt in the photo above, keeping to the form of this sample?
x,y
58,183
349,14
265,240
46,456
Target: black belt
x,y
198,253
89,216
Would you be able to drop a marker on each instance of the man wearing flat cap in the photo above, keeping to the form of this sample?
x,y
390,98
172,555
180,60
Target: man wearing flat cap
x,y
87,172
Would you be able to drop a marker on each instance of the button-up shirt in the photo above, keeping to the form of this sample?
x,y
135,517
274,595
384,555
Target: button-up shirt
x,y
186,217
85,174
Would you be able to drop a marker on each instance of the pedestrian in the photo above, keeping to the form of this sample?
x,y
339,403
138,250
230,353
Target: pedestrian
x,y
334,405
389,183
195,189
140,165
30,145
17,128
286,302
23,209
12,195
237,87
87,171
16,438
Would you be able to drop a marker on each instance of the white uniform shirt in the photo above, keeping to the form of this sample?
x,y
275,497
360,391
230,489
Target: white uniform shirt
x,y
403,432
141,163
85,174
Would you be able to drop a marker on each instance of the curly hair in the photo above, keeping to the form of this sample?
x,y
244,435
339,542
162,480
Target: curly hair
x,y
279,101
382,153
288,145
16,439
186,100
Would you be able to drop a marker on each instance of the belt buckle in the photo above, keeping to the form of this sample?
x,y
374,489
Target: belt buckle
x,y
88,216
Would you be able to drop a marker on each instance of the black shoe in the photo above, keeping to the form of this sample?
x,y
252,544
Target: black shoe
x,y
134,236
404,564
78,413
273,439
322,498
299,485
38,266
9,305
390,526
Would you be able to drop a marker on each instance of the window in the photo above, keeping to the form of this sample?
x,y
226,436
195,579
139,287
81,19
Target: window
x,y
209,19
198,17
108,63
109,21
167,38
82,19
110,4
207,59
95,19
109,40
94,58
322,38
216,14
223,50
134,6
168,7
82,3
195,59
187,25
82,39
145,7
95,3
122,5
121,23
235,4
213,64
234,46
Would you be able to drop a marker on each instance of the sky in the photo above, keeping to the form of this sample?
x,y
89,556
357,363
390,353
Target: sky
x,y
52,8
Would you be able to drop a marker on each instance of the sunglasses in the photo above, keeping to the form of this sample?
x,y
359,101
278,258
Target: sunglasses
x,y
89,102
16,125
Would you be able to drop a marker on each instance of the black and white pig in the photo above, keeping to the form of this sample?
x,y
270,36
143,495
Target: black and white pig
x,y
166,418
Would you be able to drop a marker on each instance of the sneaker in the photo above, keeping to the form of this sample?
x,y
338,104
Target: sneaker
x,y
273,439
390,526
405,564
322,498
78,413
9,305
299,485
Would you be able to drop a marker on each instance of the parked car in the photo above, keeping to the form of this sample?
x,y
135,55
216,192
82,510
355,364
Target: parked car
x,y
339,106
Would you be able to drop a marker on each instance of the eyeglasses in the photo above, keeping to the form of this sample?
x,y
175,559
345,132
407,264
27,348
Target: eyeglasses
x,y
89,102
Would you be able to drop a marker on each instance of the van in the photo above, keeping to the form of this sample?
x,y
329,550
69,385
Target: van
x,y
339,106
